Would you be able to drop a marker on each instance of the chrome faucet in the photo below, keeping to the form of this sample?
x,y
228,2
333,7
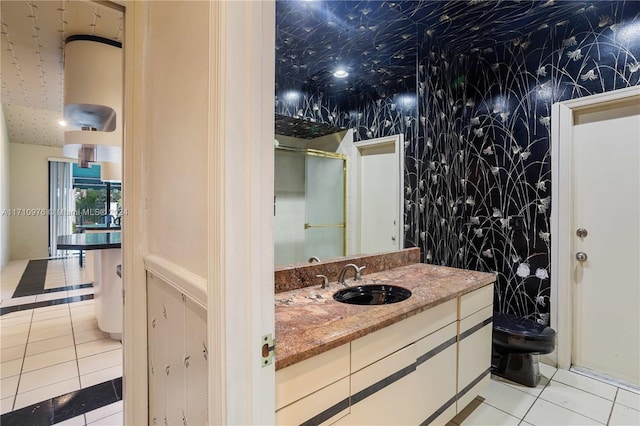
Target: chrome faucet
x,y
325,281
312,258
344,272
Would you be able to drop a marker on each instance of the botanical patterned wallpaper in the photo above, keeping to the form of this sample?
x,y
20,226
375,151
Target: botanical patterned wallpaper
x,y
476,125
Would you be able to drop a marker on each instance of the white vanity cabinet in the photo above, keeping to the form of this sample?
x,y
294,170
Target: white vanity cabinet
x,y
475,319
421,370
304,391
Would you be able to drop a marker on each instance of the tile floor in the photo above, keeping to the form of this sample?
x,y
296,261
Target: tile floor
x,y
562,398
51,351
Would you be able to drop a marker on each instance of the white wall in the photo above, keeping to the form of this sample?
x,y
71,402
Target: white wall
x,y
177,110
29,189
4,192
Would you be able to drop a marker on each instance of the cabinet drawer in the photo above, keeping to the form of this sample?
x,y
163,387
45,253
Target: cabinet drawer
x,y
310,375
322,407
377,345
385,391
476,300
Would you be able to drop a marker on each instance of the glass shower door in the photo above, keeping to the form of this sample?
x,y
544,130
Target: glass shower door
x,y
325,207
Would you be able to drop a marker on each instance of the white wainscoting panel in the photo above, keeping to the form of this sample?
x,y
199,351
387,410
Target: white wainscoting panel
x,y
178,351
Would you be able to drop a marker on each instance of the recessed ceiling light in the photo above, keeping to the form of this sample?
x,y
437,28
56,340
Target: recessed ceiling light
x,y
340,73
62,123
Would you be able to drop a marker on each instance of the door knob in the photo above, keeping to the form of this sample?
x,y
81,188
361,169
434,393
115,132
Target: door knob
x,y
581,256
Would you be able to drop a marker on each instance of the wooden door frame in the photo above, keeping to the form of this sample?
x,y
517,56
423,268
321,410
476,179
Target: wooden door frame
x,y
239,284
562,167
398,143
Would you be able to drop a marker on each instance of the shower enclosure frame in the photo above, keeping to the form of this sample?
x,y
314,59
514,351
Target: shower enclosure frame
x,y
332,155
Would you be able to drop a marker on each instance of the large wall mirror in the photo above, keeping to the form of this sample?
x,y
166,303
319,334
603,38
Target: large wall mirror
x,y
334,197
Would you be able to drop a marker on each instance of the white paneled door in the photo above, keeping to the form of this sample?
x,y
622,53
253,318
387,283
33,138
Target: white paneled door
x,y
606,234
380,195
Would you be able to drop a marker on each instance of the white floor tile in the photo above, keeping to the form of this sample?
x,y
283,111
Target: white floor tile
x,y
622,415
55,282
97,346
89,336
579,401
547,370
479,413
74,421
9,386
100,361
47,359
12,330
50,323
15,301
112,420
15,340
15,352
103,412
586,384
531,391
507,399
100,376
51,296
47,392
16,318
10,368
52,307
47,376
91,324
6,404
49,333
49,314
545,413
37,347
630,399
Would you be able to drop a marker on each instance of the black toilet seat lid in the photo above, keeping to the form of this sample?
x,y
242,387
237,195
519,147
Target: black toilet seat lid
x,y
524,327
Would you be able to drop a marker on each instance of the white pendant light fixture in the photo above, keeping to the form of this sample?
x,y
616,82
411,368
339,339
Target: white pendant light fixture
x,y
93,102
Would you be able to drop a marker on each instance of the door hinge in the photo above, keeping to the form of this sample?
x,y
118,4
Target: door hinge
x,y
268,349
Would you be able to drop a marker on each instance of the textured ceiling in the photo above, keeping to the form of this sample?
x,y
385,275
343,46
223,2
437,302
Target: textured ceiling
x,y
33,34
378,41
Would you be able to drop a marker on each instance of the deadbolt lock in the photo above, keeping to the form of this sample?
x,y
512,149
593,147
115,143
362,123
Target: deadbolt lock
x,y
581,232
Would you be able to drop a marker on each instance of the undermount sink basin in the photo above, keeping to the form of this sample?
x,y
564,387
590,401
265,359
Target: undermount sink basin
x,y
375,294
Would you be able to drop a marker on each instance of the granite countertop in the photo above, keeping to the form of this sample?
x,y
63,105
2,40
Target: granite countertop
x,y
309,322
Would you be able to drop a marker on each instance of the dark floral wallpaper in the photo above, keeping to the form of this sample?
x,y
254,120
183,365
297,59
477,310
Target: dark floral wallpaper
x,y
475,111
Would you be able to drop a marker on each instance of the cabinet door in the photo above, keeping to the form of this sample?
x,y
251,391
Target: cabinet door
x,y
436,376
385,391
474,355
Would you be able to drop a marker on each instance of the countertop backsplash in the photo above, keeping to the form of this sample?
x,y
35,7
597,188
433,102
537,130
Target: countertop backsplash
x,y
299,275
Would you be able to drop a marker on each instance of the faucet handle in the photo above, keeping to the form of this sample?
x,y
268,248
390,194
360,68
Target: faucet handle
x,y
359,272
325,281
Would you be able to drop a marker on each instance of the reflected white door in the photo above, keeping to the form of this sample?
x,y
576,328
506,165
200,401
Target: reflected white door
x,y
325,207
381,208
606,286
